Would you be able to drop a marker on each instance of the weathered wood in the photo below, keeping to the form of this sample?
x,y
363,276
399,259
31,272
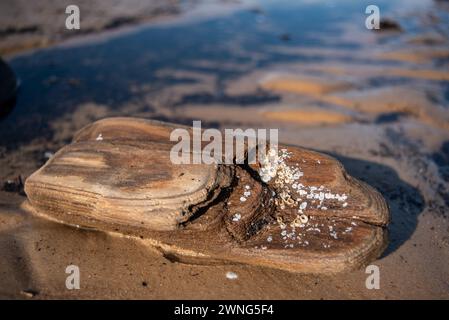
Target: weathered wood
x,y
126,183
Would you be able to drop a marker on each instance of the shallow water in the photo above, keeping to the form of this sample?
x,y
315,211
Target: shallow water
x,y
57,80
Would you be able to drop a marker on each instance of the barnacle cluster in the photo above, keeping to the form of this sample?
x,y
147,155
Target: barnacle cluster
x,y
269,165
289,192
273,165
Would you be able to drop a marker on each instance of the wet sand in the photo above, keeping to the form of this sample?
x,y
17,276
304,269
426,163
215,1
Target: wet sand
x,y
380,106
25,25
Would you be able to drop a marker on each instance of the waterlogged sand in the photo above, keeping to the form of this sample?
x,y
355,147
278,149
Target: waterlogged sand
x,y
27,25
308,117
381,109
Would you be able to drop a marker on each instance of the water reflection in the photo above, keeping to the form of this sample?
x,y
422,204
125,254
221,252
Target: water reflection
x,y
58,80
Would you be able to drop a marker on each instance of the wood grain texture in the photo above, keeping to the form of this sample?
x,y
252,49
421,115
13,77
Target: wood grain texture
x,y
126,183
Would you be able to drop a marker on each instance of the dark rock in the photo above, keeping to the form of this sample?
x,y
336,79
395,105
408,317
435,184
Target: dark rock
x,y
389,25
15,185
8,89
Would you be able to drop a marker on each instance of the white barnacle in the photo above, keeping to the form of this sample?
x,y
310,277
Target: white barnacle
x,y
303,218
272,153
296,222
321,196
298,175
272,171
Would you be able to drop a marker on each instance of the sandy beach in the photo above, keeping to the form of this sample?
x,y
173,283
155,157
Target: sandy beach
x,y
376,101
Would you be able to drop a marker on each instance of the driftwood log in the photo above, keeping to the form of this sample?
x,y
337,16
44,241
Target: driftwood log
x,y
194,213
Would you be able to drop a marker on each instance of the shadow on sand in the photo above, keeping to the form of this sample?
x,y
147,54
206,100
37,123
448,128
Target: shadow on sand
x,y
405,201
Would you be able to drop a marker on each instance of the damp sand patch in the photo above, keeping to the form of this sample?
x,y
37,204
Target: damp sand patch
x,y
308,116
305,86
371,101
